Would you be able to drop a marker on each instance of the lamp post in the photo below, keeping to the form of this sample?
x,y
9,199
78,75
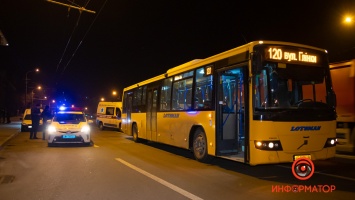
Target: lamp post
x,y
45,99
26,80
348,19
32,93
114,94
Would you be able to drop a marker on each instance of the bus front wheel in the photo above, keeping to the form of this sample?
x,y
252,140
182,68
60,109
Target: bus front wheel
x,y
200,146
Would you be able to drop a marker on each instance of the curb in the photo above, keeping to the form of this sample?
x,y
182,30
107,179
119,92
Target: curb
x,y
2,144
12,134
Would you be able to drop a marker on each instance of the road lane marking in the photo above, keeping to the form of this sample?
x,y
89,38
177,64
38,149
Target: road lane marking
x,y
159,180
332,175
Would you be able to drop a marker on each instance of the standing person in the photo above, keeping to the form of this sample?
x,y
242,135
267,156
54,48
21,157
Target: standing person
x,y
35,117
46,115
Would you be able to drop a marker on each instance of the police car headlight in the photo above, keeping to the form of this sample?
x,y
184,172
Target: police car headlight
x,y
85,129
51,129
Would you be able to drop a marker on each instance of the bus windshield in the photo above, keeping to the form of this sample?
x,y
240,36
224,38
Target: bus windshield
x,y
289,86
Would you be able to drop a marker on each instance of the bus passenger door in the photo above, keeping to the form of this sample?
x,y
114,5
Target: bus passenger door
x,y
127,126
230,112
152,114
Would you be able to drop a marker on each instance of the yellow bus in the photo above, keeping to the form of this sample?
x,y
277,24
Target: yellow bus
x,y
260,103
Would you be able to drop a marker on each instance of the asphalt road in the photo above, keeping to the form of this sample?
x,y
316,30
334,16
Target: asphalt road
x,y
115,167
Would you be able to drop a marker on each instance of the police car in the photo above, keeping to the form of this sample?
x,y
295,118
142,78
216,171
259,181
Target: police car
x,y
69,125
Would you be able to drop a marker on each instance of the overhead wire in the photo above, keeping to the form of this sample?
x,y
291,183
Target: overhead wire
x,y
103,5
75,28
72,3
71,35
66,46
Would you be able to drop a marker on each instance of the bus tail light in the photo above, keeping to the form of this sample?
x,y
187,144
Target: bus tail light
x,y
331,142
274,145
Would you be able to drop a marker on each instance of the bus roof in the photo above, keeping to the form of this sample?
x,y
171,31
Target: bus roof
x,y
201,62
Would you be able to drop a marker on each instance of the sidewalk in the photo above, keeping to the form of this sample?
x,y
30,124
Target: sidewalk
x,y
8,131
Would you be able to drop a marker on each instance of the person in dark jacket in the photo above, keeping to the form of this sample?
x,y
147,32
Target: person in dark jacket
x,y
46,115
35,117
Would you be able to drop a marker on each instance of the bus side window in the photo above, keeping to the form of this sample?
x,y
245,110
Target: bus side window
x,y
203,90
207,105
165,94
176,105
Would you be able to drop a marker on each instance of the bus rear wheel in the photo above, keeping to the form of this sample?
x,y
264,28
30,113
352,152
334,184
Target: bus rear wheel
x,y
199,146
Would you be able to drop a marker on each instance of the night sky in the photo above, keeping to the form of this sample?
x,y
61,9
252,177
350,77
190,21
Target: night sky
x,y
127,41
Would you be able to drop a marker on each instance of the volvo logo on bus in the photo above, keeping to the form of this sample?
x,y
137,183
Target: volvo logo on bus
x,y
305,128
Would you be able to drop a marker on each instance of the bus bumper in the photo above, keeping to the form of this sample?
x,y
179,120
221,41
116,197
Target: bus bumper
x,y
273,157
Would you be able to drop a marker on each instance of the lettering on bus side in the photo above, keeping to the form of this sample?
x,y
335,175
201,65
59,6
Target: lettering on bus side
x,y
171,115
305,128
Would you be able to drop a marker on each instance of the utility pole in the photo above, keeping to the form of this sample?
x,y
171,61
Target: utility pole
x,y
70,6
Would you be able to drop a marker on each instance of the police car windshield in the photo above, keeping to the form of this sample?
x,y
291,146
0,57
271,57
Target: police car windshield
x,y
69,118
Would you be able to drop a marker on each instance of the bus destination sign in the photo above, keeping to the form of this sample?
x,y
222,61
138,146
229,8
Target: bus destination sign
x,y
290,55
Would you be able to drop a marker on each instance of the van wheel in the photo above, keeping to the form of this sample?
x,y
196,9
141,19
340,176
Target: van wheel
x,y
199,146
135,133
101,126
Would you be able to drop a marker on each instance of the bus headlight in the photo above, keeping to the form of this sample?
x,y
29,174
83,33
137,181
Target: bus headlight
x,y
51,129
85,129
331,142
274,145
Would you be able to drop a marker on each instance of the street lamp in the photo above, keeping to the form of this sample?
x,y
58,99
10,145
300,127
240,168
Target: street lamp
x,y
114,94
53,104
348,19
32,93
26,80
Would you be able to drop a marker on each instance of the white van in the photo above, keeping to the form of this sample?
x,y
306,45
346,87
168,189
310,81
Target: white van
x,y
109,115
26,123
